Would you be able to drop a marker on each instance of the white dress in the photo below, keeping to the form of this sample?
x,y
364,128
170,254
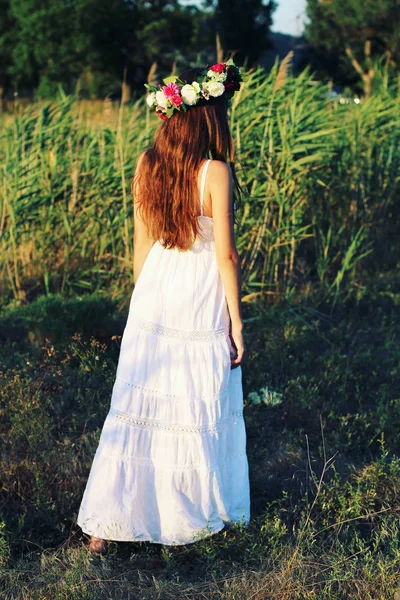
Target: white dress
x,y
171,464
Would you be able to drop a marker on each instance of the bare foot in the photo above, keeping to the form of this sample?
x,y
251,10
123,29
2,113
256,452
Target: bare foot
x,y
97,545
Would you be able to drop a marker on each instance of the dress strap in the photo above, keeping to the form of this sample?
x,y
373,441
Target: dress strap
x,y
203,184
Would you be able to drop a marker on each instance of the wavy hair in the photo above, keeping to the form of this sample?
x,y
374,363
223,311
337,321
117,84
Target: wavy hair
x,y
168,198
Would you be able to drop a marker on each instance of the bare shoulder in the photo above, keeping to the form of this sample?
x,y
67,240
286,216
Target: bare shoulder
x,y
137,172
140,159
135,187
219,171
220,188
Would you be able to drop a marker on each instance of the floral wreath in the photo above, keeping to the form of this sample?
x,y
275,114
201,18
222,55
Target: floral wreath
x,y
174,95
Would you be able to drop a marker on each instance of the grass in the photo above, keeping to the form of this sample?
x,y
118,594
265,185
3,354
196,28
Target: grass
x,y
318,238
322,182
324,466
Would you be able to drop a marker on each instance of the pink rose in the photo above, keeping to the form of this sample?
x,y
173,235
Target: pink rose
x,y
219,68
176,100
171,90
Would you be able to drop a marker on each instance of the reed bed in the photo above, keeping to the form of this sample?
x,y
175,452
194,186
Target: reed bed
x,y
321,179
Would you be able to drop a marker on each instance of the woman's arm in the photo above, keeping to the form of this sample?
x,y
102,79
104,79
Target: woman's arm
x,y
220,186
142,243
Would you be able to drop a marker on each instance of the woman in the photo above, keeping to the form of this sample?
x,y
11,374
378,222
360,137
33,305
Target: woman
x,y
171,464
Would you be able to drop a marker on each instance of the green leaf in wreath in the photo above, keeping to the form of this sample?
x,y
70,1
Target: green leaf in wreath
x,y
171,79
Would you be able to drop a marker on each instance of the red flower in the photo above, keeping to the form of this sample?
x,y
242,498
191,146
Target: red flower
x,y
163,116
176,100
231,71
231,86
219,68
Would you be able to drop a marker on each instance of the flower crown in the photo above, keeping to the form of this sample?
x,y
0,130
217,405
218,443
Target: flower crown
x,y
222,78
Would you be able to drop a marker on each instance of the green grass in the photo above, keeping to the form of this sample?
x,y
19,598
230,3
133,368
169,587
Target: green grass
x,y
324,466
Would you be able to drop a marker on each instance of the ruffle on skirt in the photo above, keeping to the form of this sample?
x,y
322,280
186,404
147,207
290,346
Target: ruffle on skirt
x,y
171,464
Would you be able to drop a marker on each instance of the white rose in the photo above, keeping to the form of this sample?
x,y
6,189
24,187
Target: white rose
x,y
220,76
151,98
189,94
204,91
214,76
215,88
161,99
196,86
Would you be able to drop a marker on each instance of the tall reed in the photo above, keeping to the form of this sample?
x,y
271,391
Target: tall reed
x,y
322,178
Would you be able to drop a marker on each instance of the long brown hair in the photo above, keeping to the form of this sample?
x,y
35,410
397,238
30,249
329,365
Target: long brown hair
x,y
167,178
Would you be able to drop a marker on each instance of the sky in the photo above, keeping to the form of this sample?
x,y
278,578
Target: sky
x,y
287,18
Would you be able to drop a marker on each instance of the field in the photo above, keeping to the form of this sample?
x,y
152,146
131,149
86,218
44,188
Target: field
x,y
318,237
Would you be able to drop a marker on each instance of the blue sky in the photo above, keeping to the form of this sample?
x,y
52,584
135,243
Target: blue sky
x,y
288,17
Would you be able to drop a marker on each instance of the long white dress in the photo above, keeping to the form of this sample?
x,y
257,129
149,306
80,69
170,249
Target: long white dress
x,y
171,464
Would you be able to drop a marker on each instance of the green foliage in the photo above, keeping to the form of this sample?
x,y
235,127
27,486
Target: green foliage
x,y
58,42
244,27
5,40
324,464
311,168
4,547
90,43
55,319
168,33
321,180
338,30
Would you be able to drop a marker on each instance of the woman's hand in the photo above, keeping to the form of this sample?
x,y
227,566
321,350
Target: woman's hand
x,y
236,336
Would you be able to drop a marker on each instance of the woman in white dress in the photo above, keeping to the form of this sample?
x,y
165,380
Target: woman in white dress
x,y
171,464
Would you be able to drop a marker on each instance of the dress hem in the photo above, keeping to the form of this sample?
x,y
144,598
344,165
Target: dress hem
x,y
153,541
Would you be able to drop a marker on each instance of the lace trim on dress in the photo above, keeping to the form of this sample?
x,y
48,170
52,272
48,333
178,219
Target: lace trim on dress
x,y
174,427
182,334
219,395
142,460
237,413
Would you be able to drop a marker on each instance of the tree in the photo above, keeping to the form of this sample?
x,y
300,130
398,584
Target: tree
x,y
166,32
58,41
348,36
5,45
242,27
98,42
